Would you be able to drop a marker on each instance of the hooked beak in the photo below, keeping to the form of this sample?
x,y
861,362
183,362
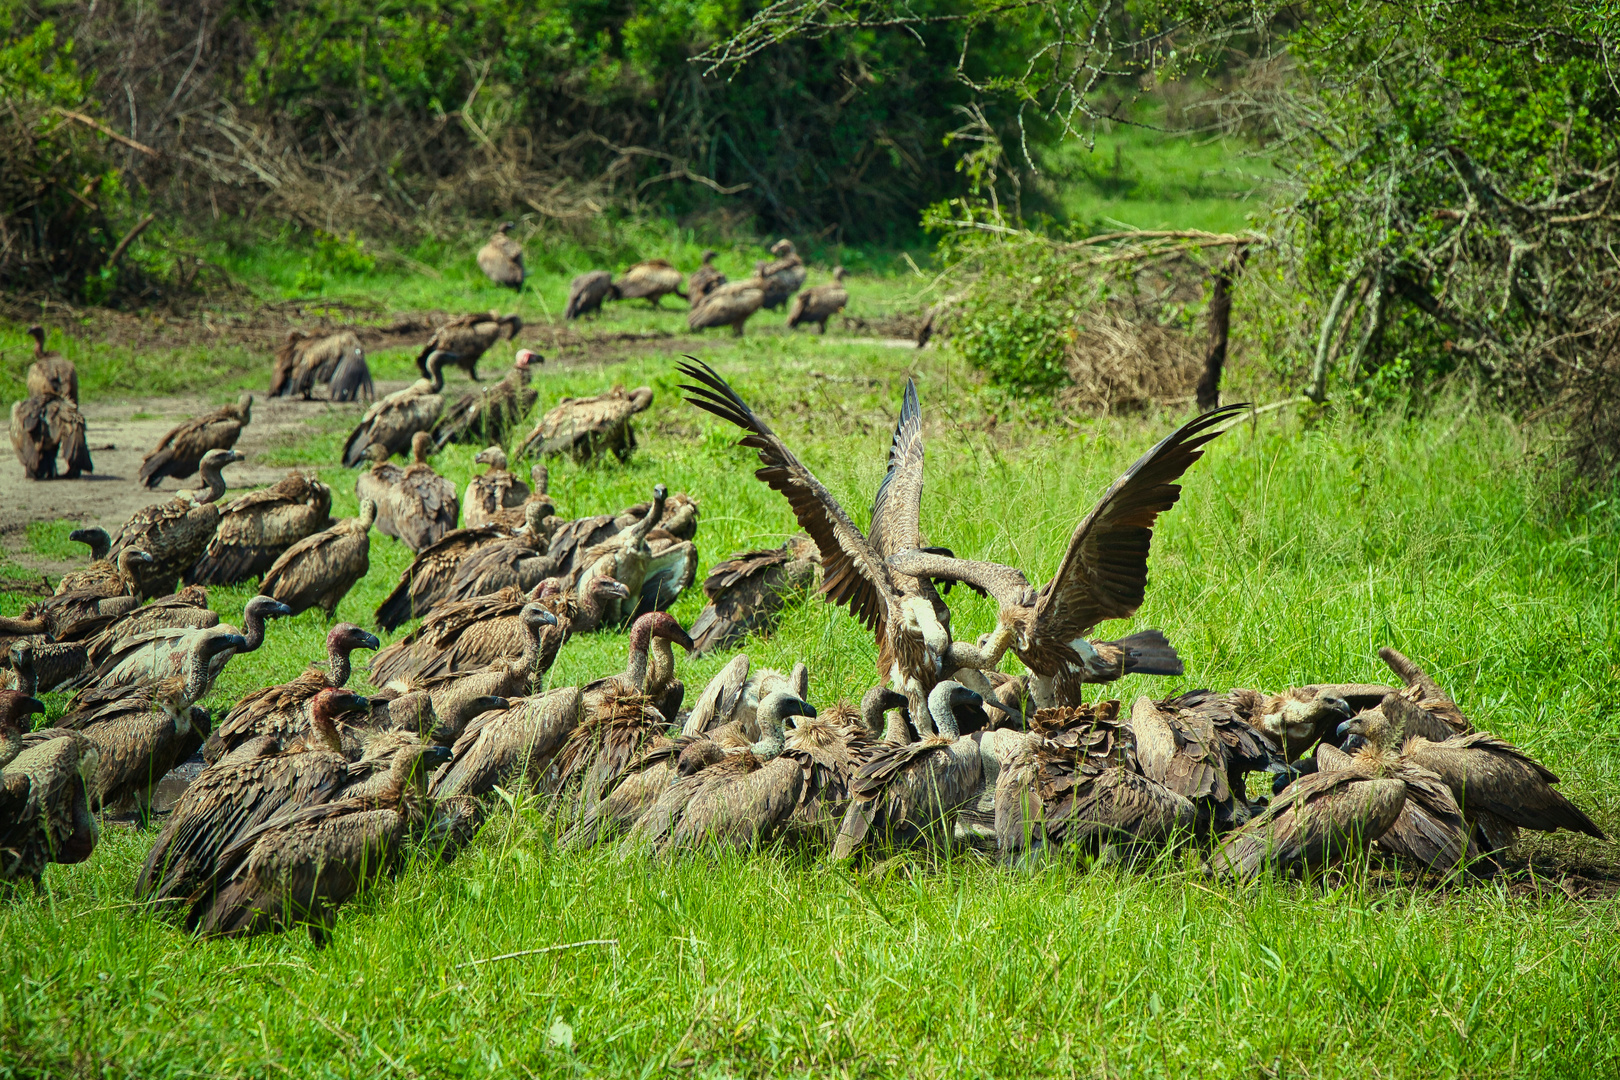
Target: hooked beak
x,y
31,706
436,755
1343,731
146,557
997,703
369,641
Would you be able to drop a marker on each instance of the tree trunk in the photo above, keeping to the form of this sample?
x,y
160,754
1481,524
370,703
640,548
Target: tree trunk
x,y
1220,325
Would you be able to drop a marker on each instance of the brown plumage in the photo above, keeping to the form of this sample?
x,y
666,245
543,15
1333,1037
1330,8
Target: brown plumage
x,y
104,577
1298,717
43,428
176,532
414,504
819,304
319,570
626,557
585,427
351,380
467,337
255,529
731,304
1179,747
1431,829
576,537
516,516
186,608
391,422
231,798
493,490
489,414
510,676
179,452
44,802
703,281
303,360
904,612
426,582
783,276
586,293
520,563
159,654
51,374
501,259
651,280
509,747
1103,576
747,592
285,711
457,636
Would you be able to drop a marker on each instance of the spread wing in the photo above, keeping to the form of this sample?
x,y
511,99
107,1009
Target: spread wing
x,y
1104,572
855,574
1008,585
897,509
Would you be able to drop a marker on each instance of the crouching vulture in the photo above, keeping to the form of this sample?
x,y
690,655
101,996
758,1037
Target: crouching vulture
x,y
104,577
586,293
391,422
426,582
509,746
303,360
819,304
501,259
176,533
414,504
488,414
257,528
493,490
464,339
585,427
319,570
747,591
179,452
44,795
651,281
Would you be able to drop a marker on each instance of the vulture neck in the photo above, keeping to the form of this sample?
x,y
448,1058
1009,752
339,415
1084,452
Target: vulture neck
x,y
214,484
197,677
771,739
872,711
252,628
531,651
100,544
895,728
635,669
337,663
639,531
27,677
940,711
11,744
126,570
661,669
22,627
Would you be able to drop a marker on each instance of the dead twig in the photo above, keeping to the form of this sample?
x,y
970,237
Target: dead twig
x,y
613,942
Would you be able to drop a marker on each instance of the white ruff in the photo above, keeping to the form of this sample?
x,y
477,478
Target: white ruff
x,y
918,616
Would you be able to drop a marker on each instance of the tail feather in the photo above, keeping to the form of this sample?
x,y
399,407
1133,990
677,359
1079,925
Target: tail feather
x,y
395,611
153,468
233,564
1149,653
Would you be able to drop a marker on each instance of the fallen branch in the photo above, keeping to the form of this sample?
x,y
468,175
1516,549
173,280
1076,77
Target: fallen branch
x,y
537,952
105,130
129,238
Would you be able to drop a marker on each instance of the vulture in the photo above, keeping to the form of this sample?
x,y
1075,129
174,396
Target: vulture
x,y
747,592
159,654
176,532
625,556
319,570
507,677
426,582
255,529
351,380
187,608
140,733
232,797
910,793
493,490
521,562
905,613
43,428
51,374
490,413
515,516
414,504
96,539
1103,575
732,304
501,259
704,280
44,795
576,537
299,868
179,452
651,280
466,338
1301,715
1431,829
586,293
391,422
283,711
506,747
104,577
585,427
81,614
304,361
783,276
732,697
819,304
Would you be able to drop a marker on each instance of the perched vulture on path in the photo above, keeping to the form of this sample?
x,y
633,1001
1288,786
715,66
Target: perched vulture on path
x,y
391,422
180,451
303,360
732,305
493,490
746,592
784,275
43,427
414,504
501,259
51,372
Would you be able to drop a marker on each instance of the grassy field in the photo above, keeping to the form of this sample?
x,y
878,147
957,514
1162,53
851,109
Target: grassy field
x,y
1295,553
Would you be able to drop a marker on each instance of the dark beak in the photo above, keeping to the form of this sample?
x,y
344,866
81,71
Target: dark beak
x,y
436,755
1353,743
368,641
1343,731
997,703
281,611
807,709
146,556
31,706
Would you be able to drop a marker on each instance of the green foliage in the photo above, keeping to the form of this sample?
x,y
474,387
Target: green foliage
x,y
1020,316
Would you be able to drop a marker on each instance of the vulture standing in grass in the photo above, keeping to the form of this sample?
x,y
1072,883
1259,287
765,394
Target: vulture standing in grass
x,y
1201,754
257,528
651,280
819,304
176,532
391,422
274,776
506,747
520,563
904,612
491,491
319,570
501,259
515,516
704,280
159,654
507,677
99,542
586,293
1103,575
299,868
414,504
45,812
351,380
585,427
313,360
104,576
783,276
43,428
747,591
283,712
731,304
181,450
466,338
426,582
488,414
51,374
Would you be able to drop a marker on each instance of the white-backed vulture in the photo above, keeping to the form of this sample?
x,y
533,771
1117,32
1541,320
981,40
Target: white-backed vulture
x,y
626,557
233,797
1298,717
43,428
426,582
731,304
176,532
586,293
255,529
585,427
316,360
501,259
319,570
747,592
510,746
784,275
44,795
507,677
414,504
392,421
159,654
1103,576
491,491
819,304
651,280
520,563
179,452
732,697
1431,829
904,612
703,281
284,711
187,608
51,374
351,380
488,414
573,538
1319,819
96,539
466,338
104,577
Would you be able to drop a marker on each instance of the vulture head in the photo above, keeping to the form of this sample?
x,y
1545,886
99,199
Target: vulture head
x,y
534,616
244,407
838,273
377,454
657,624
1301,715
327,707
421,445
540,477
368,513
95,538
15,709
525,357
347,637
782,248
505,227
708,256
1373,728
944,701
38,334
493,456
603,587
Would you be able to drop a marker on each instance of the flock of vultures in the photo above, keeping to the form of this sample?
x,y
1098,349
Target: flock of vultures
x,y
303,792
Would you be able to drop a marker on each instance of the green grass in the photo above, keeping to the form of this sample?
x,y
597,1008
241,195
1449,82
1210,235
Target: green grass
x,y
1294,554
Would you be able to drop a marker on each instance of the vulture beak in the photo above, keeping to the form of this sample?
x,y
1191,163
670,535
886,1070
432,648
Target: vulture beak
x,y
1343,731
436,755
1354,743
31,706
146,556
281,611
807,710
997,703
368,641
